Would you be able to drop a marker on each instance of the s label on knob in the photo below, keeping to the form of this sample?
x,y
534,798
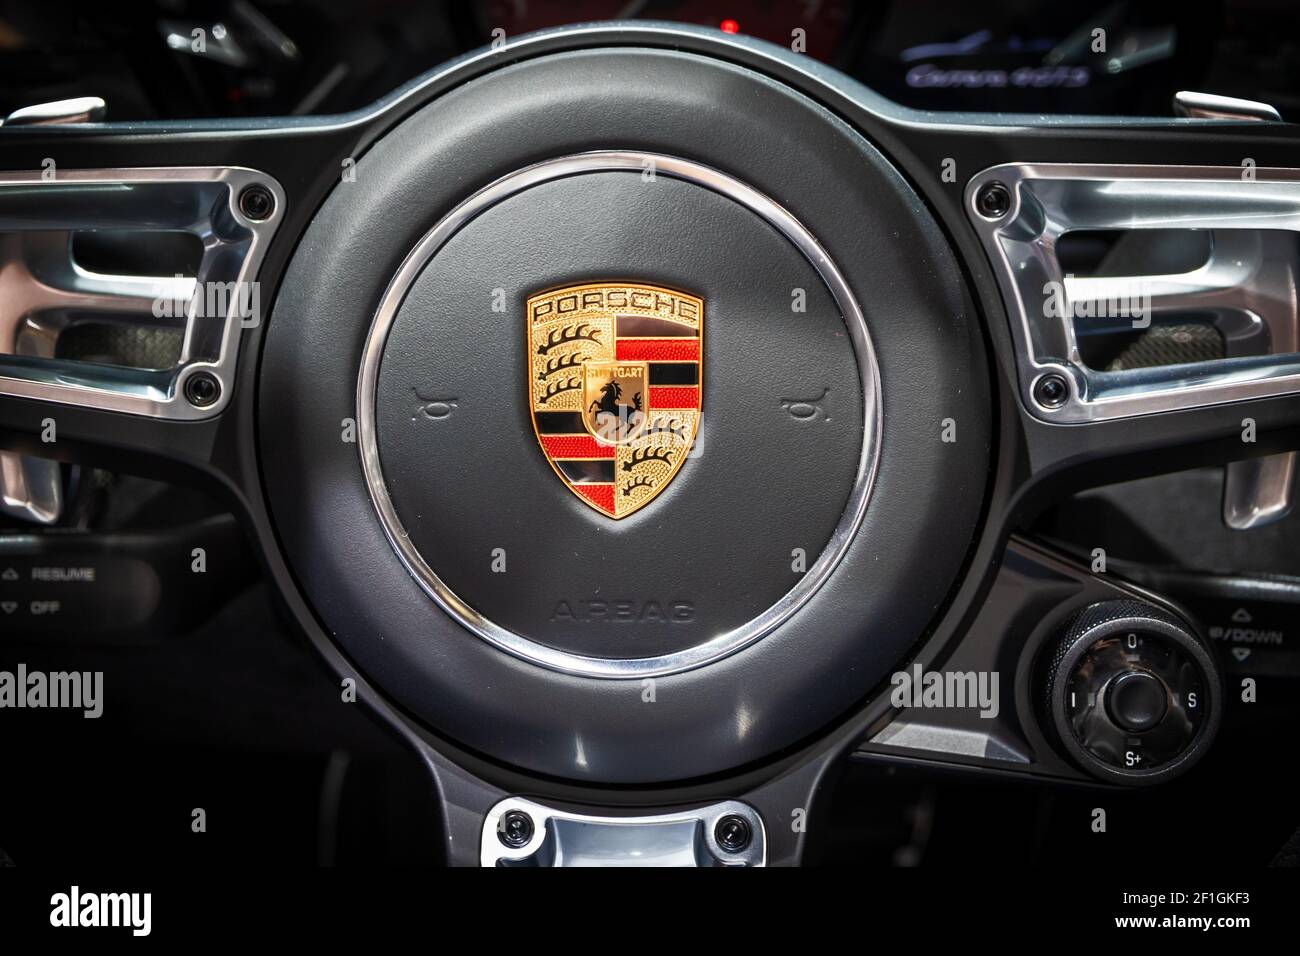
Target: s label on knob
x,y
1132,693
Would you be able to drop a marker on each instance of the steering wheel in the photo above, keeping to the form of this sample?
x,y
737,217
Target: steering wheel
x,y
620,409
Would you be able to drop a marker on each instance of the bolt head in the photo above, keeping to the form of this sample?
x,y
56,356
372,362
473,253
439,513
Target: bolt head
x,y
256,202
993,201
1051,391
733,833
202,389
515,829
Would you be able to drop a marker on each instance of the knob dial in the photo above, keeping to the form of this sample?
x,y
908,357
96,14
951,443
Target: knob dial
x,y
1133,694
1137,701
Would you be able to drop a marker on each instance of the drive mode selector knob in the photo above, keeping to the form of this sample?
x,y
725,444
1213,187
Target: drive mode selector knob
x,y
1134,695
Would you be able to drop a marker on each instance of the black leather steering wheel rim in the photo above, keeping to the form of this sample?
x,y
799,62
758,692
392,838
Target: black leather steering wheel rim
x,y
926,498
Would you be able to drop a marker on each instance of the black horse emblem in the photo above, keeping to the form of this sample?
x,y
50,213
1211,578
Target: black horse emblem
x,y
608,414
616,420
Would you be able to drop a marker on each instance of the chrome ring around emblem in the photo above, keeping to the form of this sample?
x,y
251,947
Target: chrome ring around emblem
x,y
720,645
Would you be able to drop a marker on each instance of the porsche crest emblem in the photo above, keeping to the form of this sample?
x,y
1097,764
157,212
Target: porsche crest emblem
x,y
614,387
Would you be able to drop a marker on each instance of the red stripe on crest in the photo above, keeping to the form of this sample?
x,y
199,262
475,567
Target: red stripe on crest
x,y
664,396
658,350
602,496
576,446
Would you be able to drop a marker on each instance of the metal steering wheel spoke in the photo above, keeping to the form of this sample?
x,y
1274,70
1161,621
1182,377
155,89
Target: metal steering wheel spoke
x,y
1145,311
138,267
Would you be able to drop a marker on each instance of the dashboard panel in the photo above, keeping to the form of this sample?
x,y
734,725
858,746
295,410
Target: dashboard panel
x,y
304,57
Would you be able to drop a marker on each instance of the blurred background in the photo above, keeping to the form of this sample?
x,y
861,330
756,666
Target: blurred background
x,y
283,57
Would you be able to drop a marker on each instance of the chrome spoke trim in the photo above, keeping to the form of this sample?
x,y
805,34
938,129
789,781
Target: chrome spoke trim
x,y
1248,284
557,838
41,284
